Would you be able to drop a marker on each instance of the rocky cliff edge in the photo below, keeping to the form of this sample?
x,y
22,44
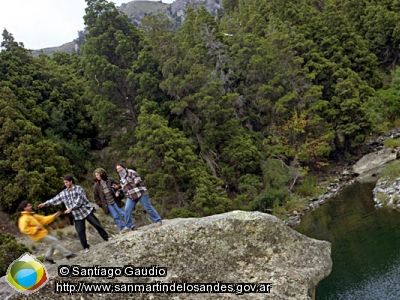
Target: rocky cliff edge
x,y
235,247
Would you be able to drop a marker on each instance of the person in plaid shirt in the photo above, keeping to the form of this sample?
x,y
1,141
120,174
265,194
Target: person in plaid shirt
x,y
74,199
135,192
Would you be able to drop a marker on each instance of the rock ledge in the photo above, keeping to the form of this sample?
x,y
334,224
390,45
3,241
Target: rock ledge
x,y
235,247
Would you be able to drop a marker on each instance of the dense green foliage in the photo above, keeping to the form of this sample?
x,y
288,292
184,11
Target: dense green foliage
x,y
224,113
10,250
45,126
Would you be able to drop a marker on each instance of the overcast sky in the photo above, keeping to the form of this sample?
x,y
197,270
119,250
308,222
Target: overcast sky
x,y
45,23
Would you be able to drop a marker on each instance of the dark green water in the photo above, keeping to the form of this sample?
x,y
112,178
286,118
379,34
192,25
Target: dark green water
x,y
365,245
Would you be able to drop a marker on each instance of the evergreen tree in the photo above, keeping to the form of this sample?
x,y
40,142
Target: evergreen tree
x,y
384,107
275,181
173,172
195,79
111,49
45,126
378,22
278,94
31,166
350,118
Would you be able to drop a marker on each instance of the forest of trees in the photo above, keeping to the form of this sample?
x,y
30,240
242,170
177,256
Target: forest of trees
x,y
237,111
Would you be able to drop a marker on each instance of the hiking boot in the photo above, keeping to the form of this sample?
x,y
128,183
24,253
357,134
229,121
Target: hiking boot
x,y
158,224
125,230
69,256
49,260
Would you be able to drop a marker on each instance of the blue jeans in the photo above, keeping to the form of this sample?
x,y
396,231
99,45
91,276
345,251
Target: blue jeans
x,y
116,212
130,206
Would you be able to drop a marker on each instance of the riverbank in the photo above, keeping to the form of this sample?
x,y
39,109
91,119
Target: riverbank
x,y
364,245
345,175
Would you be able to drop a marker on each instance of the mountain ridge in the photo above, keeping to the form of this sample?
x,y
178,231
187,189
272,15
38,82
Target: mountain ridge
x,y
138,9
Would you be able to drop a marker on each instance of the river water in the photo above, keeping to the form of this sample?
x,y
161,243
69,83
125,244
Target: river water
x,y
365,245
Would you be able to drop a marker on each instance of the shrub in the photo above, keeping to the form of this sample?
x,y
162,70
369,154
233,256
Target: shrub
x,y
10,250
392,143
391,172
59,234
276,178
309,187
181,212
294,203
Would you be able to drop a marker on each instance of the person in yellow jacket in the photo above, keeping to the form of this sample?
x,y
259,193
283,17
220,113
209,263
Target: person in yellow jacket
x,y
32,225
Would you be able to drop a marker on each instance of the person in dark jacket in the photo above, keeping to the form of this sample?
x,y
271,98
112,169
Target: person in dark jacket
x,y
106,196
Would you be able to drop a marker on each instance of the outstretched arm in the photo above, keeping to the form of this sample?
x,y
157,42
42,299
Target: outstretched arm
x,y
53,201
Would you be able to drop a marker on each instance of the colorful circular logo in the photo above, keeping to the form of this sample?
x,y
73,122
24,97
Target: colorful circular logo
x,y
27,274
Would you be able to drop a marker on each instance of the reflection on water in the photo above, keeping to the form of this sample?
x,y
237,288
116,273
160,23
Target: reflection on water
x,y
380,285
365,245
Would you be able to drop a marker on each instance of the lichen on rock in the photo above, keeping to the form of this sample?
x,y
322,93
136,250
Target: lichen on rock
x,y
234,247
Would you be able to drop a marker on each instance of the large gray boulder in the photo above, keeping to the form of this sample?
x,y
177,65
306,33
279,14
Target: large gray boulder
x,y
372,164
235,247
